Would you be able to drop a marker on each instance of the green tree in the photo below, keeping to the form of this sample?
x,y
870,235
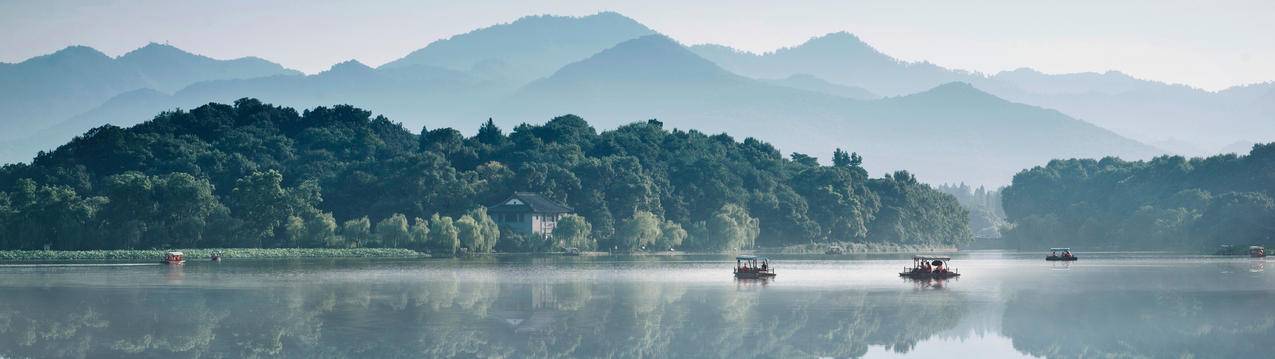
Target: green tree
x,y
444,237
393,231
357,232
489,231
731,228
294,232
185,206
840,158
574,231
259,199
637,232
490,134
671,235
470,234
320,231
420,234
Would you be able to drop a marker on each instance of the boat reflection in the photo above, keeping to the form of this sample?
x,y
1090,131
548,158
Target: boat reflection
x,y
752,283
930,283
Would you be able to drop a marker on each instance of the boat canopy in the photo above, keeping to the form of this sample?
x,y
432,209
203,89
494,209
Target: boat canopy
x,y
1256,247
930,258
749,258
175,253
1059,249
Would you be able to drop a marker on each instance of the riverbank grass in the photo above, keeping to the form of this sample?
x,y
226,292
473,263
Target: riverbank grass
x,y
205,253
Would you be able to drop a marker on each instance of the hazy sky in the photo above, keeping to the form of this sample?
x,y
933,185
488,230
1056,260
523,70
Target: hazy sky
x,y
1208,44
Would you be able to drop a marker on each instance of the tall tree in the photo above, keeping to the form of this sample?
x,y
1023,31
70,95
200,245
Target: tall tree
x,y
573,231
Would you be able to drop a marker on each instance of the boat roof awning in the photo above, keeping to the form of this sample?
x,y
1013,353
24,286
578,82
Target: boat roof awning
x,y
928,258
1060,249
749,258
174,253
1256,247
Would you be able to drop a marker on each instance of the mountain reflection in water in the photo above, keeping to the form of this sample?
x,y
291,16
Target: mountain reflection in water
x,y
633,307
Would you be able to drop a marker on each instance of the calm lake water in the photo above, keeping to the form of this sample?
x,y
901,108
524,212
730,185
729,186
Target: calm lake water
x,y
1006,305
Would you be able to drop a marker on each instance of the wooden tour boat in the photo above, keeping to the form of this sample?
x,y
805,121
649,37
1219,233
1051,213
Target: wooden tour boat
x,y
1257,251
1065,256
746,267
929,267
174,258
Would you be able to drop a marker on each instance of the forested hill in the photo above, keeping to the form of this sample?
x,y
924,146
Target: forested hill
x,y
252,174
1165,203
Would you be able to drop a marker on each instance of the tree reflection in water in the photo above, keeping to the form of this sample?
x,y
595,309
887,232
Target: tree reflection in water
x,y
1213,308
459,317
1141,324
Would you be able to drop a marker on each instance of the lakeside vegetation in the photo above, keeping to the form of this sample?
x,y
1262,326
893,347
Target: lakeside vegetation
x,y
261,176
205,253
986,214
846,248
1169,202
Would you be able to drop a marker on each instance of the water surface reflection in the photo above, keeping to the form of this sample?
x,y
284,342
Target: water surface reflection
x,y
633,307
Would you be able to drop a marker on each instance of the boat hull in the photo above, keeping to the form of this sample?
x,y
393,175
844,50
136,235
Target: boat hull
x,y
754,275
1060,258
924,275
173,262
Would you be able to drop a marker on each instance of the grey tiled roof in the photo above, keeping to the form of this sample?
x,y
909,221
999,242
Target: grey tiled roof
x,y
529,202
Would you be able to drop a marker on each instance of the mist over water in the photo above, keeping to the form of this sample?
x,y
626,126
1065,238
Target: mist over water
x,y
1005,305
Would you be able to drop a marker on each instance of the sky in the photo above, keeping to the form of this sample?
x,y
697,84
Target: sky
x,y
1210,45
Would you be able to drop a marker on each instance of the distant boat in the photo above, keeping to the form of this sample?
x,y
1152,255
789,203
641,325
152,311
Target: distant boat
x,y
1257,251
930,267
836,249
573,251
746,267
174,258
1065,256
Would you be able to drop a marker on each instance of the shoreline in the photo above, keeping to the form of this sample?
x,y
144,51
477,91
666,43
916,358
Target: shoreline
x,y
204,254
299,253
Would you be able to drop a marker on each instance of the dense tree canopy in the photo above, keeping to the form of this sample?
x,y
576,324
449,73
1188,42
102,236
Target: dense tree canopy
x,y
252,174
1168,202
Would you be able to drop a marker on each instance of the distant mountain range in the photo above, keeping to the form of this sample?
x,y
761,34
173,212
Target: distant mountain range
x,y
41,91
834,91
527,49
1186,120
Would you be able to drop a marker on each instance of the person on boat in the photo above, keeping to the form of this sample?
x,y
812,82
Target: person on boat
x,y
764,265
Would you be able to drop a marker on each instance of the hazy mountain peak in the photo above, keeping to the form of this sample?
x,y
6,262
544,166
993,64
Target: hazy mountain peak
x,y
157,50
643,59
73,53
601,17
838,44
348,66
1022,71
958,92
532,46
839,37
